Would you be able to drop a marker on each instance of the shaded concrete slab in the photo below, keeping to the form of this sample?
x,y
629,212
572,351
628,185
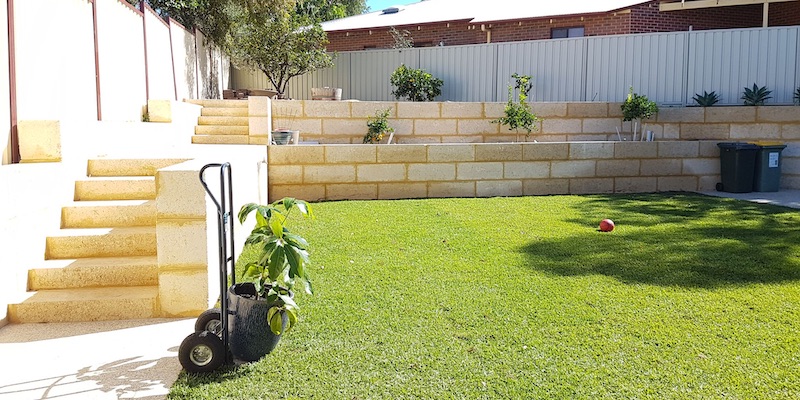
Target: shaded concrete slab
x,y
134,359
785,198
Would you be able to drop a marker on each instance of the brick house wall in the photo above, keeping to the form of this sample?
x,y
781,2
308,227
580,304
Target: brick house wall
x,y
644,18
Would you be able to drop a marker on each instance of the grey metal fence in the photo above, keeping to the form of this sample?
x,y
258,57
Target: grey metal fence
x,y
667,67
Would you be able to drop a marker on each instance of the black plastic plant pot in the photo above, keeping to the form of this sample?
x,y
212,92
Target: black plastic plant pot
x,y
248,330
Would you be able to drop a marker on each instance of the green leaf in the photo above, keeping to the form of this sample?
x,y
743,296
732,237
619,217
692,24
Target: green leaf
x,y
287,300
253,271
277,227
277,261
276,323
292,314
295,241
246,209
271,312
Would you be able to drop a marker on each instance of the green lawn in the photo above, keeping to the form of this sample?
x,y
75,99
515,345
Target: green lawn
x,y
689,297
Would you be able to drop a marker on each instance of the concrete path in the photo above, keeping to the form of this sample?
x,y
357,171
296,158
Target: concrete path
x,y
786,198
135,359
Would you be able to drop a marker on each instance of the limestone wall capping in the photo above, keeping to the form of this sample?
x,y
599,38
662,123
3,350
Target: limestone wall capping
x,y
359,109
337,154
417,110
726,114
159,110
294,155
327,109
259,106
179,194
462,110
39,141
587,110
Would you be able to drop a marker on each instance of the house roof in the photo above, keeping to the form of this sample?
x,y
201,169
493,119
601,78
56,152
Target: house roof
x,y
475,11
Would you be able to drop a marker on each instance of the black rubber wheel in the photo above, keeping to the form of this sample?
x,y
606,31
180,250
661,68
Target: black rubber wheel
x,y
719,186
201,352
209,320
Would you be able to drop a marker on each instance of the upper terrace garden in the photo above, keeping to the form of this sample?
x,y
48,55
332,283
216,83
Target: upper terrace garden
x,y
689,297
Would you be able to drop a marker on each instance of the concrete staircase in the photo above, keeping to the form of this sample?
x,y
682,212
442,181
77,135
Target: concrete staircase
x,y
222,122
102,263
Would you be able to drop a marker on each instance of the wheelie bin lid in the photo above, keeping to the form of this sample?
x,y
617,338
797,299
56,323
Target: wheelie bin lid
x,y
737,146
764,144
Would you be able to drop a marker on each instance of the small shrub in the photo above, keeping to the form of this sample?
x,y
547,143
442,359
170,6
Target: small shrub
x,y
377,127
637,107
415,84
706,99
518,115
756,96
797,96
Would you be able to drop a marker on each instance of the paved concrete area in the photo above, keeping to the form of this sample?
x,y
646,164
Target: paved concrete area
x,y
785,198
135,359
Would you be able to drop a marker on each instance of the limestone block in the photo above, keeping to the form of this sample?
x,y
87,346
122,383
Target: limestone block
x,y
306,126
635,150
545,151
296,155
677,184
680,114
39,141
755,131
730,114
381,173
290,109
402,127
587,110
494,110
526,169
352,191
159,110
402,153
183,293
286,174
260,140
498,152
259,106
476,127
260,126
708,183
618,168
419,139
465,139
572,169
363,153
709,149
329,174
562,126
548,110
462,110
366,109
678,149
402,191
181,244
503,188
615,110
790,131
179,194
701,166
778,114
660,167
305,192
671,132
353,126
451,153
539,187
791,150
431,172
705,131
591,185
435,126
451,189
413,109
479,171
601,125
327,109
635,185
591,150
595,137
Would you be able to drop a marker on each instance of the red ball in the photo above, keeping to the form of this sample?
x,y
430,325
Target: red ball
x,y
606,225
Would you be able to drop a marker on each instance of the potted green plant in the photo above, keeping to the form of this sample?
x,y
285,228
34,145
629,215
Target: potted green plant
x,y
415,84
518,114
263,308
636,108
378,127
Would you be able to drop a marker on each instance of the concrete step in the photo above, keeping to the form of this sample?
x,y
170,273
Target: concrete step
x,y
87,304
221,130
128,167
112,242
224,121
219,103
116,188
109,214
220,139
94,272
224,112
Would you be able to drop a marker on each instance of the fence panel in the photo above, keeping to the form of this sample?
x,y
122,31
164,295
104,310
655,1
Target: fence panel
x,y
337,76
370,72
467,71
653,64
555,65
726,61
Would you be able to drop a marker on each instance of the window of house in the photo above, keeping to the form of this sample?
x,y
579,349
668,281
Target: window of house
x,y
561,33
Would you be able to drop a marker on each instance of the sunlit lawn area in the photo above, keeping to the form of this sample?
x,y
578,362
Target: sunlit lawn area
x,y
689,297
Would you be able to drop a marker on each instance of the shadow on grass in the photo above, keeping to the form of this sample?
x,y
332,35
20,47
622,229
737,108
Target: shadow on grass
x,y
677,240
